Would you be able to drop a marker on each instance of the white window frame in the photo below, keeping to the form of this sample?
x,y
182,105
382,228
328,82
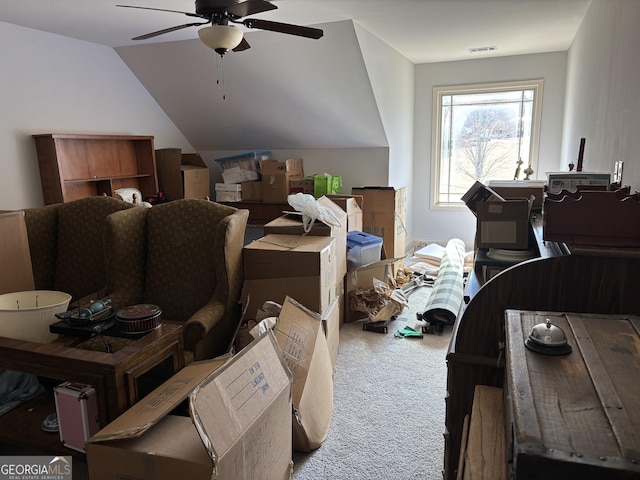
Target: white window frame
x,y
441,91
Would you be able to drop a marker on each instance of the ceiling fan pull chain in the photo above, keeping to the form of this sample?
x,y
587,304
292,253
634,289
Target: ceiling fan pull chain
x,y
220,74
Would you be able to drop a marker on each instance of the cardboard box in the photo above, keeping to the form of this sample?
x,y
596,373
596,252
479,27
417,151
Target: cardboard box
x,y
299,266
240,409
332,320
243,167
352,204
276,176
303,344
519,189
15,256
291,224
228,192
252,191
362,278
504,224
479,193
304,185
384,215
182,175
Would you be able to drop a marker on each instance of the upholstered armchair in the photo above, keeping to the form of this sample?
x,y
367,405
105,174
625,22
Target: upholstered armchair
x,y
66,242
186,257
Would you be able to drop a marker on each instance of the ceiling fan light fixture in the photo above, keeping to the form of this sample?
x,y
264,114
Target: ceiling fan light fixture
x,y
221,38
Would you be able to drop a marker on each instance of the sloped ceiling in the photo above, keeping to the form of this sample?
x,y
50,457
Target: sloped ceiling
x,y
283,93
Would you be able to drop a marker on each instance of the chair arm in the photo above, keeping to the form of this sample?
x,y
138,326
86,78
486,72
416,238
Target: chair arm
x,y
202,322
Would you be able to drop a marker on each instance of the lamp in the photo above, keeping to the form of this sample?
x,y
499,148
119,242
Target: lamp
x,y
221,38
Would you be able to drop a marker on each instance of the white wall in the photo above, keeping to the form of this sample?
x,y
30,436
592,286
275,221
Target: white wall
x,y
603,97
392,79
54,84
430,225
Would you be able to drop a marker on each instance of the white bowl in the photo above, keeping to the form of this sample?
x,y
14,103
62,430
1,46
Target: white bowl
x,y
27,315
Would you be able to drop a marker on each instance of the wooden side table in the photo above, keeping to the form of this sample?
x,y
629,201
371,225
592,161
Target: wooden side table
x,y
118,377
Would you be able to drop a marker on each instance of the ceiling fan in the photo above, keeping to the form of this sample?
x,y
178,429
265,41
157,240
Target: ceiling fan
x,y
222,37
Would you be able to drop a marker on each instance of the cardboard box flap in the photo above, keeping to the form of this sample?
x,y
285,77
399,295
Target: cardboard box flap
x,y
152,408
275,241
232,400
297,343
301,337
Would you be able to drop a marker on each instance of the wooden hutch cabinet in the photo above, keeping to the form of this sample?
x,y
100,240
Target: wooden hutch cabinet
x,y
77,166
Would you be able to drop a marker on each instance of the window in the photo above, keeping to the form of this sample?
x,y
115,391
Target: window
x,y
481,133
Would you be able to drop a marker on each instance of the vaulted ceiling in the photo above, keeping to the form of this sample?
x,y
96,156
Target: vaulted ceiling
x,y
292,92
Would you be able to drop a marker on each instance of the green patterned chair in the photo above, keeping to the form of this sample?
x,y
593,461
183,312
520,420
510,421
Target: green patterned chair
x,y
66,242
186,257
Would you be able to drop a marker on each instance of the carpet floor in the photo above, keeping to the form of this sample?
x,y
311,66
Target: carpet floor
x,y
389,405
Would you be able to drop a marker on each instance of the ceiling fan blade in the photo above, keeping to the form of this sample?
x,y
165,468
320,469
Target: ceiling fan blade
x,y
161,10
250,7
308,32
244,45
167,30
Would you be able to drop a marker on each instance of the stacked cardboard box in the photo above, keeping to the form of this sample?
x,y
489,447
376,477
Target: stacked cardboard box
x,y
384,211
182,175
276,177
331,311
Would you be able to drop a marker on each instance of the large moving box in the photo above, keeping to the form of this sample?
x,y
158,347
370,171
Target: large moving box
x,y
292,224
384,211
504,224
182,175
302,267
301,338
240,425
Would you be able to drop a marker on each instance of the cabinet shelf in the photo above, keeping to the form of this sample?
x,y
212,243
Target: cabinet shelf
x,y
77,166
102,179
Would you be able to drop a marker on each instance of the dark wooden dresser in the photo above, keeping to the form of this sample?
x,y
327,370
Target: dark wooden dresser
x,y
561,279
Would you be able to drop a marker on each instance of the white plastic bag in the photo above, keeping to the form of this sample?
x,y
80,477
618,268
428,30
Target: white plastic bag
x,y
311,211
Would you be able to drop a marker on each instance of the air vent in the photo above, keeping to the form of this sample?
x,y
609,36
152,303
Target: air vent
x,y
482,49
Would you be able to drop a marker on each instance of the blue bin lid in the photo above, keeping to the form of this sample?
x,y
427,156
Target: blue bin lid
x,y
243,155
361,239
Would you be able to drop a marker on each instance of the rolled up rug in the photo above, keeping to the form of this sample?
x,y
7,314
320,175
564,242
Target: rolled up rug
x,y
448,289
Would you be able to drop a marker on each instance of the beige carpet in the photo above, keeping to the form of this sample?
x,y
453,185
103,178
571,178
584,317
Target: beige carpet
x,y
389,405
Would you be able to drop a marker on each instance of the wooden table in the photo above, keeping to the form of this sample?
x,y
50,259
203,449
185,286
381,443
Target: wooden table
x,y
574,416
120,378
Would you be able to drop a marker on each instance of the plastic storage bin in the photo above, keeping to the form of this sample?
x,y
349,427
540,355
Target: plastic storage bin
x,y
362,249
244,167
